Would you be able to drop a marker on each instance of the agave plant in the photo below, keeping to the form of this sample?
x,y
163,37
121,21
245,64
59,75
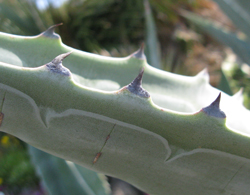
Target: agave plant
x,y
171,136
237,39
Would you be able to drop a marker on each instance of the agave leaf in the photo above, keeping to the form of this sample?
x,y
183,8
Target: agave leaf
x,y
240,47
238,12
24,15
152,46
224,84
63,177
172,138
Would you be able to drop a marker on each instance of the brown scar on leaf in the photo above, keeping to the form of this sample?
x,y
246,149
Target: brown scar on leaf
x,y
1,118
97,157
100,152
1,108
107,137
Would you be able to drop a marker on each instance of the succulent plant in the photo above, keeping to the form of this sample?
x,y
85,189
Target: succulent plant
x,y
162,132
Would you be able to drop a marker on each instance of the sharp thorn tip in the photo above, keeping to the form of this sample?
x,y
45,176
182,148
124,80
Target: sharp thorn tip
x,y
136,86
50,32
214,108
140,53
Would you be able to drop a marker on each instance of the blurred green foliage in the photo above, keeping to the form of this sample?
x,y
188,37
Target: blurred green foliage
x,y
16,172
92,25
239,79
